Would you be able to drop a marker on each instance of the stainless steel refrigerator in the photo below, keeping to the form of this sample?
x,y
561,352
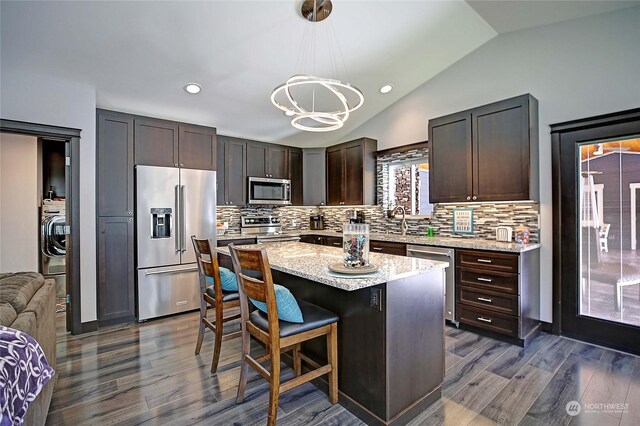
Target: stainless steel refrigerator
x,y
171,205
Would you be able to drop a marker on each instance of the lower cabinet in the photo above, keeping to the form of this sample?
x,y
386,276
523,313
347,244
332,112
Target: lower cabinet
x,y
332,241
399,249
116,285
223,259
312,239
499,292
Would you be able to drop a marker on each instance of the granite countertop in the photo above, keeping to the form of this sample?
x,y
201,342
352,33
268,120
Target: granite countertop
x,y
468,243
464,243
311,262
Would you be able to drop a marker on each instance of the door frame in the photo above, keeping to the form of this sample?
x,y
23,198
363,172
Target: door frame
x,y
72,137
632,188
565,138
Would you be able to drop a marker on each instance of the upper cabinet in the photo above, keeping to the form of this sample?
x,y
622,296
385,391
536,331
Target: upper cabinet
x,y
295,175
170,144
488,153
232,160
114,168
351,173
314,173
196,147
267,160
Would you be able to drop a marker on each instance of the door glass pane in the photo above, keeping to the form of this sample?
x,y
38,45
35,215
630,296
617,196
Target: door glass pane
x,y
609,197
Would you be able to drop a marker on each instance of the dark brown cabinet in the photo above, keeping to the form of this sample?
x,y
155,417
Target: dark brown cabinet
x,y
312,239
223,259
489,153
170,144
196,147
332,241
231,171
156,142
114,165
398,249
115,206
267,160
295,175
450,161
499,292
116,295
314,174
351,173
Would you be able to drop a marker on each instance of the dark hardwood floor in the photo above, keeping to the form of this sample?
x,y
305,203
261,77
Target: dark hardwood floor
x,y
147,374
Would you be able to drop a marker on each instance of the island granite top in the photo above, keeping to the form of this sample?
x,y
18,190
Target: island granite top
x,y
311,262
455,242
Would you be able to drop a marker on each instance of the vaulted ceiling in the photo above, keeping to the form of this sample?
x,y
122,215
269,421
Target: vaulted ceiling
x,y
139,55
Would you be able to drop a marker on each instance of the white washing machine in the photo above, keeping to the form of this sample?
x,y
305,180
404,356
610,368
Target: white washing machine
x,y
53,243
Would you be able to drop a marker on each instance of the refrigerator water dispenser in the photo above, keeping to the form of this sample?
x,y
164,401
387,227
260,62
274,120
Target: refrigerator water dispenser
x,y
161,223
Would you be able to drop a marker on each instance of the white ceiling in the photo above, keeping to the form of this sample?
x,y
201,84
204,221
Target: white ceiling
x,y
139,55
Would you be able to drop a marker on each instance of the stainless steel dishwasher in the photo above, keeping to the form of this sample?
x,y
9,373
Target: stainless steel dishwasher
x,y
447,255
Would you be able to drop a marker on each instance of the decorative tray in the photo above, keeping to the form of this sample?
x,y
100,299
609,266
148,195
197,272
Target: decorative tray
x,y
341,269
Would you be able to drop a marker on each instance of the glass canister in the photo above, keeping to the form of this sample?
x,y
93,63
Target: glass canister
x,y
522,234
355,245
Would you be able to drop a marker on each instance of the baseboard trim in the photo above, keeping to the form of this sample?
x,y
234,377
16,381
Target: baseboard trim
x,y
88,327
547,327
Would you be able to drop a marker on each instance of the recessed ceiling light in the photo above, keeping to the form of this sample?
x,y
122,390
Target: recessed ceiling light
x,y
192,88
386,88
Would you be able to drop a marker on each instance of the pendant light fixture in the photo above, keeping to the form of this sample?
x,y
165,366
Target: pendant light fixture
x,y
316,104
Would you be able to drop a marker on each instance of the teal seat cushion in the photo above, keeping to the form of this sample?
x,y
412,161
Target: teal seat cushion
x,y
288,308
228,280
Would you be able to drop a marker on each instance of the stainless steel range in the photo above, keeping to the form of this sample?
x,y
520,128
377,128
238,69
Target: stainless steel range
x,y
265,228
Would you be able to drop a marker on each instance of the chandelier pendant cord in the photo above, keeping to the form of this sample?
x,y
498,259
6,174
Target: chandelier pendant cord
x,y
317,104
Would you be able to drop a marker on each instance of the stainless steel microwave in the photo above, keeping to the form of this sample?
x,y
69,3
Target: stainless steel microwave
x,y
269,191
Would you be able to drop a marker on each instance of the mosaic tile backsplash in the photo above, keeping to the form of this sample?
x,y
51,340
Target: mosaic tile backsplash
x,y
486,216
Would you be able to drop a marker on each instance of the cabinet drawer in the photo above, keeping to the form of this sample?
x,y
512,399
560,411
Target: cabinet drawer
x,y
332,241
493,281
488,260
499,302
398,249
492,321
311,239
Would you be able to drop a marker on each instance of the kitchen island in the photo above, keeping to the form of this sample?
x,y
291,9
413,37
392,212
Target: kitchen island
x,y
390,334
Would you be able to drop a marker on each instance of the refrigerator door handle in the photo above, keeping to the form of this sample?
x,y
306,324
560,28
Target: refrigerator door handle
x,y
183,230
178,220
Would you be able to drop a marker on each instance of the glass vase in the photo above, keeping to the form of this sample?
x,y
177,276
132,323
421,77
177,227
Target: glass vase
x,y
355,245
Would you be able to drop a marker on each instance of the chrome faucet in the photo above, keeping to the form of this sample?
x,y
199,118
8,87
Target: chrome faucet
x,y
403,223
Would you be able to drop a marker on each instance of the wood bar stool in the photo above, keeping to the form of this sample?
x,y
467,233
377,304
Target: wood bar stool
x,y
214,296
277,335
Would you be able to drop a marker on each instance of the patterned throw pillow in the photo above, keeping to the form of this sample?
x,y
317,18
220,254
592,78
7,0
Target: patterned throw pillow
x,y
228,280
24,371
288,308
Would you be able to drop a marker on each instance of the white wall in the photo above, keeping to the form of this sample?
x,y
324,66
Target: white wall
x,y
19,203
35,98
575,69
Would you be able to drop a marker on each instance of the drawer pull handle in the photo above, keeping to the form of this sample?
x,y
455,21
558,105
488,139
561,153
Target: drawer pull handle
x,y
182,302
487,280
377,248
337,244
485,260
484,299
484,320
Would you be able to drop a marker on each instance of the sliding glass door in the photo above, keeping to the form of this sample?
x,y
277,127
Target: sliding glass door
x,y
596,181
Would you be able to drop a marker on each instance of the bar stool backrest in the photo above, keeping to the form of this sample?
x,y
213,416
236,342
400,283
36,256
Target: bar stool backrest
x,y
207,264
248,264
